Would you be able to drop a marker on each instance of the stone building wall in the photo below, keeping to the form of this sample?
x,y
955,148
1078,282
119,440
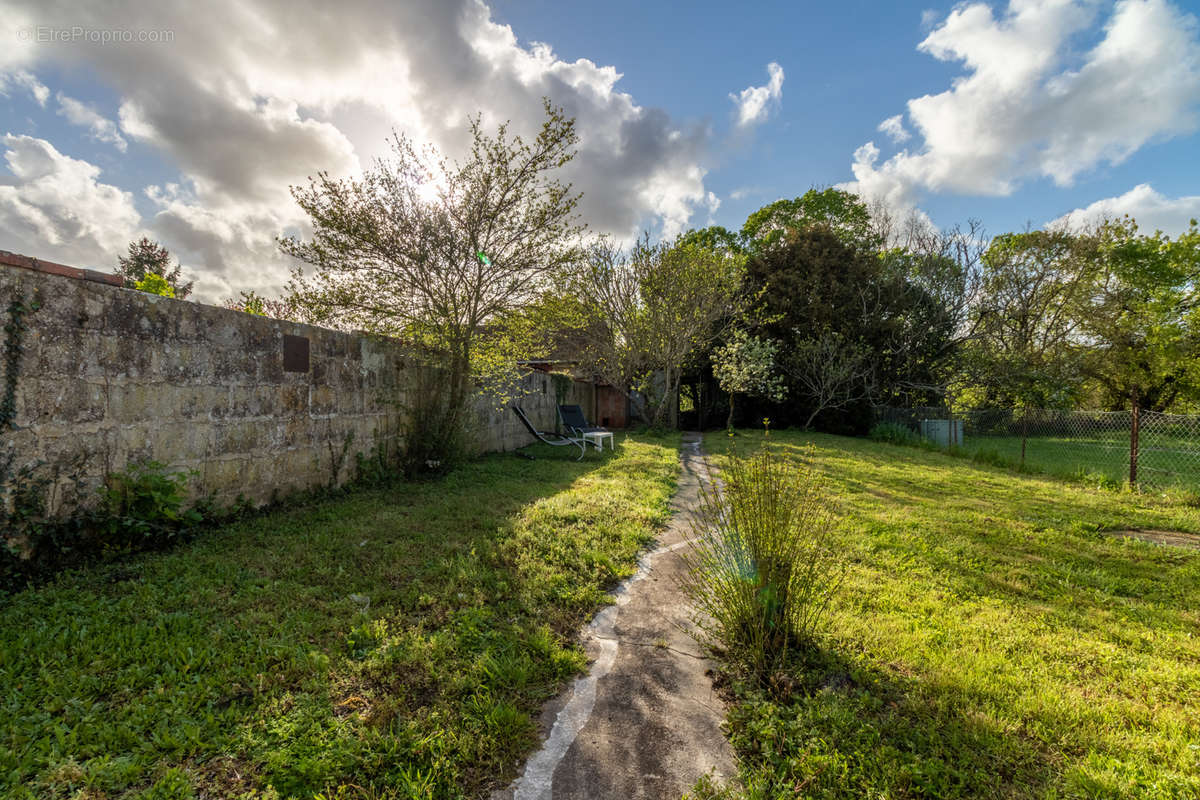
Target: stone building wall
x,y
256,407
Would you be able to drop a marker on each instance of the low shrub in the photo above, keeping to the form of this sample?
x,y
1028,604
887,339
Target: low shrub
x,y
377,468
144,507
766,562
991,457
141,508
895,433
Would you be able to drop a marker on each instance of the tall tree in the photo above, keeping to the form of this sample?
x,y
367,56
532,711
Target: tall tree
x,y
645,313
1139,323
934,286
714,237
836,210
1033,288
444,254
147,257
811,281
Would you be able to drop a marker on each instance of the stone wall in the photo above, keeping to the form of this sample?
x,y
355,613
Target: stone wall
x,y
499,429
254,406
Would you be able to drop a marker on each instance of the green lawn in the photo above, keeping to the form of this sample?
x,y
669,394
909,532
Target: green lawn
x,y
1163,462
393,643
990,641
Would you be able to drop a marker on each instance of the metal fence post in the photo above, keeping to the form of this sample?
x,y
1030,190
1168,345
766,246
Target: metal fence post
x,y
1133,441
1024,433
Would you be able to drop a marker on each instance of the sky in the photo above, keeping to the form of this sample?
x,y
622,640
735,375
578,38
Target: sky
x,y
187,122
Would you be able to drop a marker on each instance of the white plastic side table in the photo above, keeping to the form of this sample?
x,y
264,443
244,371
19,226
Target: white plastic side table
x,y
598,437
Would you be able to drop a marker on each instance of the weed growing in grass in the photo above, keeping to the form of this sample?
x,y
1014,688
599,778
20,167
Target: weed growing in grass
x,y
707,788
766,564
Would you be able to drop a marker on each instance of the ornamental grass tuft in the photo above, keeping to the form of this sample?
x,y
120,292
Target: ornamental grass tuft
x,y
765,562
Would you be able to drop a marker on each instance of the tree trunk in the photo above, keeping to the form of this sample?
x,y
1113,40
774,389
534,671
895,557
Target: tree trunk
x,y
729,422
660,408
673,401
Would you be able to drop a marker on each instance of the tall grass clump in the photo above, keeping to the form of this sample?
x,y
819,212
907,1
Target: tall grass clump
x,y
895,433
765,563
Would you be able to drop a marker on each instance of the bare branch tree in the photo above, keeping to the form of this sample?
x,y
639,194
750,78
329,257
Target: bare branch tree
x,y
832,372
942,272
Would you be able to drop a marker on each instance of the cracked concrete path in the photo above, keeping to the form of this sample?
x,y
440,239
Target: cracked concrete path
x,y
645,721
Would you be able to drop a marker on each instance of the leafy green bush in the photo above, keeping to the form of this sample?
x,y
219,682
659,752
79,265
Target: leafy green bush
x,y
145,507
141,508
766,563
174,785
895,433
153,283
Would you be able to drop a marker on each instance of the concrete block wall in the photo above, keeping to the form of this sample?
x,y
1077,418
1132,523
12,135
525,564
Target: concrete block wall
x,y
116,376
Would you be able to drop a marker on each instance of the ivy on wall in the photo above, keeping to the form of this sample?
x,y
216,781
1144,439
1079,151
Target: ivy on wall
x,y
562,386
15,328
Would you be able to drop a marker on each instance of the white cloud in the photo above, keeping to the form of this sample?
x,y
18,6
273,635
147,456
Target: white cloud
x,y
1151,209
894,128
16,25
711,204
102,129
24,80
246,101
1031,105
53,201
754,103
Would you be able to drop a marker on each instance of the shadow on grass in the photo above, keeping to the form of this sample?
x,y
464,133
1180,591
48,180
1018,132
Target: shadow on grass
x,y
1035,543
395,639
834,727
994,641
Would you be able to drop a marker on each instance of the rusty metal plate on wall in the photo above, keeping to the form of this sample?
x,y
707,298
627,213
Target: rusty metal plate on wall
x,y
295,353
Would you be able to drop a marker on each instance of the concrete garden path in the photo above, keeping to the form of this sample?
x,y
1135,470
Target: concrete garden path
x,y
645,721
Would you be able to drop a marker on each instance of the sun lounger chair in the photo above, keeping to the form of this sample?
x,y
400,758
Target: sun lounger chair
x,y
576,423
548,437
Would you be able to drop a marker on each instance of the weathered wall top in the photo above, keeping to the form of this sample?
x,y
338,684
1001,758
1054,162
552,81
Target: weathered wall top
x,y
50,267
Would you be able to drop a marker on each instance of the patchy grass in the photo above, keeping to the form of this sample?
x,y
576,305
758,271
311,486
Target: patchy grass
x,y
391,643
990,641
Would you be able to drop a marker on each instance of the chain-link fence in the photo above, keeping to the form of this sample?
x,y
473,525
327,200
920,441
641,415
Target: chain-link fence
x,y
1144,447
